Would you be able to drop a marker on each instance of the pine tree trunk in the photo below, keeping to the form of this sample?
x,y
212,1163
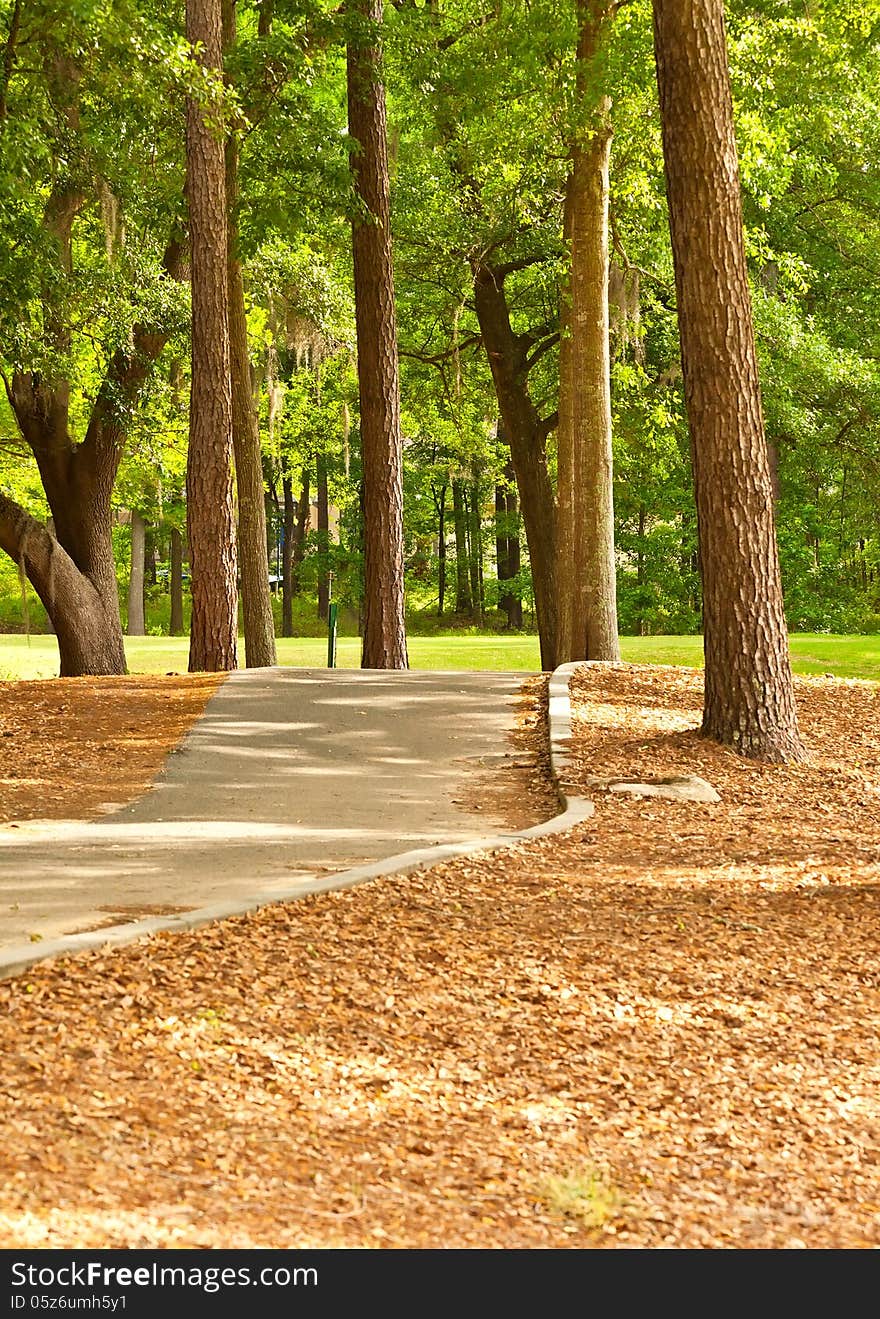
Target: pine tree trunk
x,y
586,575
136,577
463,602
749,701
253,562
210,520
176,625
384,642
323,538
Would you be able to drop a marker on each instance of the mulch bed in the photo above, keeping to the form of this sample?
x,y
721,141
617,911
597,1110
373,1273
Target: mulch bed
x,y
656,1030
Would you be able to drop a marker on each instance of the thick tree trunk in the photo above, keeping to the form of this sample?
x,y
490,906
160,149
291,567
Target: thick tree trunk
x,y
502,568
323,538
463,600
256,599
176,624
88,631
384,643
287,558
749,701
210,520
526,434
136,578
586,575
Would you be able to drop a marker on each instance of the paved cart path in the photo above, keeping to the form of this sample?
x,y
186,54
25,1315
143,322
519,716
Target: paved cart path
x,y
288,774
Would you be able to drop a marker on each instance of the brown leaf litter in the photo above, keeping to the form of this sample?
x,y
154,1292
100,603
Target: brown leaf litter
x,y
656,1030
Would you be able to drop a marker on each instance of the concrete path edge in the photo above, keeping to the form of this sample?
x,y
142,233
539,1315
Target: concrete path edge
x,y
575,809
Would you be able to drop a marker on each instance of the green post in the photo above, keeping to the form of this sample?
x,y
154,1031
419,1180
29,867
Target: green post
x,y
331,636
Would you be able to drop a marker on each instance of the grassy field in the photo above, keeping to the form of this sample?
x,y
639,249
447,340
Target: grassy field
x,y
842,656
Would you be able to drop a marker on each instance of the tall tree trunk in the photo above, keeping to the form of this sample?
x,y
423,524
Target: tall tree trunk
x,y
463,600
586,576
176,624
526,434
384,643
136,577
287,558
749,701
210,520
440,505
323,538
256,599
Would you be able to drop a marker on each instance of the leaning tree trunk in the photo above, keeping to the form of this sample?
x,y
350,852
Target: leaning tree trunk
x,y
136,577
586,575
749,701
526,434
84,609
256,599
176,624
384,642
210,521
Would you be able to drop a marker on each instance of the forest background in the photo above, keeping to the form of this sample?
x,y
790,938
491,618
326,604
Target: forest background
x,y
480,103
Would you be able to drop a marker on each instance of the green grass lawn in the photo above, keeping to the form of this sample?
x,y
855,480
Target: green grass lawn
x,y
846,657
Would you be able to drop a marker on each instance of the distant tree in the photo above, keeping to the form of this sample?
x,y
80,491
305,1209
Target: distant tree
x,y
749,701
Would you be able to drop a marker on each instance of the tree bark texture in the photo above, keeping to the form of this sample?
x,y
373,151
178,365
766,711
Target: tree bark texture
x,y
176,584
210,518
384,641
526,434
256,599
749,701
586,576
136,577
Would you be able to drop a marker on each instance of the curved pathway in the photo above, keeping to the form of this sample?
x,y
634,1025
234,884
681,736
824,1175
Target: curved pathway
x,y
289,774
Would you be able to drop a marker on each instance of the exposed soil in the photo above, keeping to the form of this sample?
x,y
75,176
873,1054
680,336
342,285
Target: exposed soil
x,y
659,1029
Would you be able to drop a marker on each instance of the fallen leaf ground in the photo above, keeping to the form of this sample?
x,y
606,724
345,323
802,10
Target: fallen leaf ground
x,y
659,1029
74,747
